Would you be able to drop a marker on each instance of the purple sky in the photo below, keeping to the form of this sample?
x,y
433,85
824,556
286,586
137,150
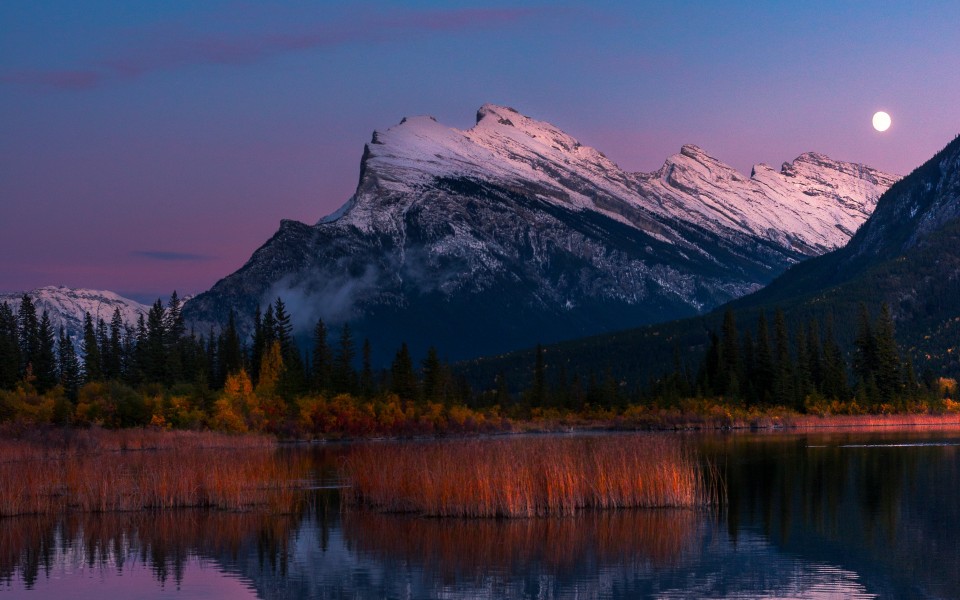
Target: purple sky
x,y
146,147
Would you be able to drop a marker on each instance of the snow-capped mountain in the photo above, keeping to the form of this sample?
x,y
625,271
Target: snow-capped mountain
x,y
66,307
513,232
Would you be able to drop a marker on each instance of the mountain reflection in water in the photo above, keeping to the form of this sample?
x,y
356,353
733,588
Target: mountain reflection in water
x,y
809,516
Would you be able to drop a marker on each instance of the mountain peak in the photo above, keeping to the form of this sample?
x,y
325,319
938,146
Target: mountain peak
x,y
513,216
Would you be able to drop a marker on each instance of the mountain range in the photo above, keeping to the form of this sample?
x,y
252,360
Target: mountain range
x,y
906,255
67,307
512,232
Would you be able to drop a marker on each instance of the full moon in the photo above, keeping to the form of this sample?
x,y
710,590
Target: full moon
x,y
881,121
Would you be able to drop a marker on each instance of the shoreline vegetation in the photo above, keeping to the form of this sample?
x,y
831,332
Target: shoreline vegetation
x,y
66,470
62,470
529,477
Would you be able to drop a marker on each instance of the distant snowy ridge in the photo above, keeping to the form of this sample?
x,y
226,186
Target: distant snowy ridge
x,y
66,307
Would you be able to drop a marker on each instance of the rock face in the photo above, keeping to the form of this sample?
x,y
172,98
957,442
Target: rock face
x,y
512,232
67,306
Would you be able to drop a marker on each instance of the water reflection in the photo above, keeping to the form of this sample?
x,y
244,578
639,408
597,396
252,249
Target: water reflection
x,y
808,517
882,505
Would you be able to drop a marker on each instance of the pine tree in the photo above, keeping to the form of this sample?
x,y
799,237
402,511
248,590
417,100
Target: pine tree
x,y
138,372
344,375
888,365
783,381
283,328
403,381
45,365
103,344
155,354
230,353
92,366
68,365
29,333
538,393
174,340
322,359
802,379
764,375
258,344
749,367
9,348
729,357
114,365
865,349
367,384
432,376
834,366
814,356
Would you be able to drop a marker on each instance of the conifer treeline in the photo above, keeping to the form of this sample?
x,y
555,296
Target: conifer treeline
x,y
221,380
159,351
792,368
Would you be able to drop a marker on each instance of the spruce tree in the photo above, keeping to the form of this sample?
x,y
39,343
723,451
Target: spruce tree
x,y
431,369
174,340
29,333
783,382
344,376
283,328
834,365
538,393
9,348
367,383
103,344
764,375
92,365
403,381
114,365
68,365
888,365
45,365
322,359
141,360
814,356
729,374
230,353
258,345
865,349
155,354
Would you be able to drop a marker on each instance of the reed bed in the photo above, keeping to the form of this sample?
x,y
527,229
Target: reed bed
x,y
104,471
527,477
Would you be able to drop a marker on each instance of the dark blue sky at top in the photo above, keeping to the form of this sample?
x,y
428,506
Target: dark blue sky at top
x,y
152,146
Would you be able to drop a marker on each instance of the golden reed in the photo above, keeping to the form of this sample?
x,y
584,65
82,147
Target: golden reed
x,y
526,477
101,471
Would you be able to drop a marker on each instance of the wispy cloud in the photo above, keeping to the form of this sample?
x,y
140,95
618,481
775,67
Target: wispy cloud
x,y
58,80
182,50
170,256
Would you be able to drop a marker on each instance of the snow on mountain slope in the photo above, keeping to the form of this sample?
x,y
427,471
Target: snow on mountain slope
x,y
67,306
512,232
812,204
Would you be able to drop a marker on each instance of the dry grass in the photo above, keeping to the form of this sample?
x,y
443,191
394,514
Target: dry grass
x,y
102,471
946,421
458,548
526,477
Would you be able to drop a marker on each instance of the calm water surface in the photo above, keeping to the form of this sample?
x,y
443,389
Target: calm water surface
x,y
841,515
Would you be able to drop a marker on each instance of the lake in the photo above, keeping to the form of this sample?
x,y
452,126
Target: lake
x,y
811,515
